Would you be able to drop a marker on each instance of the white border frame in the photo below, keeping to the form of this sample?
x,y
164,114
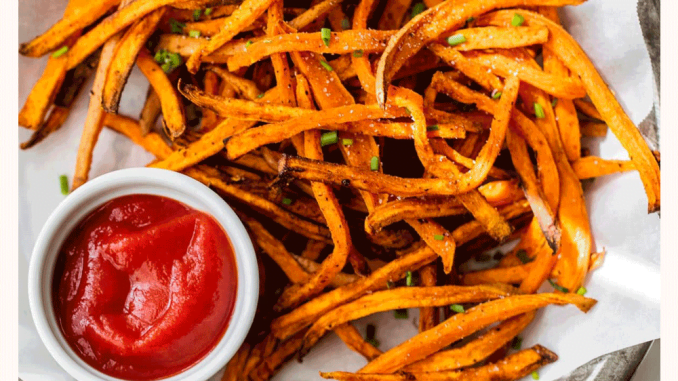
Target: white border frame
x,y
669,216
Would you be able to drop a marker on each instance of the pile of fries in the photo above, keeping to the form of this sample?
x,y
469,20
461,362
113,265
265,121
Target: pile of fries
x,y
371,148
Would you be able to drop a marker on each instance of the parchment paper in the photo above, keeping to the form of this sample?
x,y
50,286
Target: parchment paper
x,y
627,286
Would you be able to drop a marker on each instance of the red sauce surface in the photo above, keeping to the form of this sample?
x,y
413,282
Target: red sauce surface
x,y
144,287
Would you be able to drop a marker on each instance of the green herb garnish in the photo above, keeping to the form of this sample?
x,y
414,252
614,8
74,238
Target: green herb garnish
x,y
328,138
517,343
326,34
176,26
417,9
558,287
408,279
456,39
401,314
345,24
326,65
539,111
374,163
522,255
63,182
458,308
60,52
517,20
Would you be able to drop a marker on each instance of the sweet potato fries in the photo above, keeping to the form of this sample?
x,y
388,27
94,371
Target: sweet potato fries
x,y
370,156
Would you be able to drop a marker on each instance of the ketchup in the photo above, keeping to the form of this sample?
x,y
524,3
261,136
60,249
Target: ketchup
x,y
144,287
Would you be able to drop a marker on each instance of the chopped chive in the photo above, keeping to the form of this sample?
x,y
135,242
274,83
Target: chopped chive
x,y
287,201
196,14
374,163
417,9
174,59
496,94
63,181
539,111
168,61
522,255
176,26
326,65
260,96
194,33
160,56
326,34
408,112
517,20
389,285
374,342
208,11
535,375
458,308
408,279
328,138
558,287
554,102
456,40
439,237
247,44
347,142
517,343
371,331
470,19
401,314
582,291
434,127
60,52
358,53
345,24
370,335
483,257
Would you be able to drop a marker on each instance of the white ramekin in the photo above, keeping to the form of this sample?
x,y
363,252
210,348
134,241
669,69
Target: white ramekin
x,y
139,181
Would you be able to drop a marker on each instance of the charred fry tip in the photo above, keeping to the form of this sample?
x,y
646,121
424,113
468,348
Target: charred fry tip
x,y
281,181
370,229
109,108
185,89
302,352
23,49
587,304
172,134
553,236
547,356
283,164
